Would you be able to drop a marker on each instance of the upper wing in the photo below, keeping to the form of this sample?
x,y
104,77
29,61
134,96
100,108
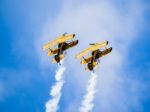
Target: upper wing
x,y
60,39
92,48
67,37
50,44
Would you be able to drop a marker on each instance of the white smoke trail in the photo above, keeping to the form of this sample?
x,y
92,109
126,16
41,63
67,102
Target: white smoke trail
x,y
53,104
87,104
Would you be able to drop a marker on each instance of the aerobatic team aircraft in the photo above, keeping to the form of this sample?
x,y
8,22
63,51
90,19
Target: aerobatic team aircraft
x,y
96,52
63,44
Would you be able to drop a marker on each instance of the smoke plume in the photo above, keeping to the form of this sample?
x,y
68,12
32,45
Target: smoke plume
x,y
53,104
87,103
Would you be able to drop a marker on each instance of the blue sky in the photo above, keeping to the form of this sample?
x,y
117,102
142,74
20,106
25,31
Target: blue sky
x,y
26,73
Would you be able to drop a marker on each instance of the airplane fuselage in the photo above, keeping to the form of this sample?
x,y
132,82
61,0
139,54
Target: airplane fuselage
x,y
95,57
63,47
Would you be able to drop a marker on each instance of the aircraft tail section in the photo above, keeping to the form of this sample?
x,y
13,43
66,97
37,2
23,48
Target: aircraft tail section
x,y
57,58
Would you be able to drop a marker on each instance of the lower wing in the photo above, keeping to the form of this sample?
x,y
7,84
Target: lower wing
x,y
55,51
71,44
103,53
86,60
52,52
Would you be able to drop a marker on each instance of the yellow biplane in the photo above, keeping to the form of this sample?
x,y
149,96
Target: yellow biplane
x,y
62,44
96,52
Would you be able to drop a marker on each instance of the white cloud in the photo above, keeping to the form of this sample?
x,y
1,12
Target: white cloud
x,y
94,22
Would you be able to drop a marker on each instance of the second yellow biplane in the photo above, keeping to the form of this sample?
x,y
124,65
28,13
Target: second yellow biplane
x,y
96,52
63,45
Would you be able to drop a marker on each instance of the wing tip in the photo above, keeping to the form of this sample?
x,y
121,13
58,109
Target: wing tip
x,y
74,35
